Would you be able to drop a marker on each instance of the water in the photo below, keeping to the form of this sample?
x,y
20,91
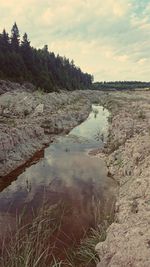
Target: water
x,y
63,173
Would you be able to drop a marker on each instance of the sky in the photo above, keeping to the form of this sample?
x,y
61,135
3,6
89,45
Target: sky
x,y
107,38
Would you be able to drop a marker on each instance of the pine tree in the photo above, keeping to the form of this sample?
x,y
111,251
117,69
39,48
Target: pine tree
x,y
45,48
27,55
25,42
15,41
4,41
21,62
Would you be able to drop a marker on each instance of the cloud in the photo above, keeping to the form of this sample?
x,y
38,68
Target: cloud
x,y
142,61
109,39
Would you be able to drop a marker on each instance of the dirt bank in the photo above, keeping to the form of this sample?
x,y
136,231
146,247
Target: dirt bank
x,y
30,119
128,159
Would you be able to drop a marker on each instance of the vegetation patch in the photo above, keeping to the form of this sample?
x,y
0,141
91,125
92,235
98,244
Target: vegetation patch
x,y
36,243
44,69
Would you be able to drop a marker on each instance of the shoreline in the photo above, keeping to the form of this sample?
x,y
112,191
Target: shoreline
x,y
30,120
127,157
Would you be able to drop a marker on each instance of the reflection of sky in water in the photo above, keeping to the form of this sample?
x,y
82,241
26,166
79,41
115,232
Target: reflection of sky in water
x,y
65,172
96,123
64,169
87,135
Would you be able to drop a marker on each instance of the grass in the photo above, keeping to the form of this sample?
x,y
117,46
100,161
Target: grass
x,y
30,244
119,162
100,135
95,111
110,119
141,115
40,91
34,244
85,253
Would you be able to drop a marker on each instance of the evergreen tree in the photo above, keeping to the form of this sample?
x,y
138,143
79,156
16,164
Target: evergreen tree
x,y
4,41
15,37
21,62
4,54
25,42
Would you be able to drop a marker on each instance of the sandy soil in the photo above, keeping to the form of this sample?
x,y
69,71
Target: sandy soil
x,y
128,159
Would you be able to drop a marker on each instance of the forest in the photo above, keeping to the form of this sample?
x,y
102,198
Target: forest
x,y
120,85
21,62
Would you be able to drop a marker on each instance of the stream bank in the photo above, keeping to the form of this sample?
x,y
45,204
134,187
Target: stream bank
x,y
127,157
31,119
70,186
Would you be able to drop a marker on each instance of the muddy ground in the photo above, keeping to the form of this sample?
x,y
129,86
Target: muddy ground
x,y
128,159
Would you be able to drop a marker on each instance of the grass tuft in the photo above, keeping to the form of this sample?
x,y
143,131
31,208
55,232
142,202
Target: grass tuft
x,y
35,244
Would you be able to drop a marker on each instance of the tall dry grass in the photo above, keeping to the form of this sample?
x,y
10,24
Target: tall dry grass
x,y
34,244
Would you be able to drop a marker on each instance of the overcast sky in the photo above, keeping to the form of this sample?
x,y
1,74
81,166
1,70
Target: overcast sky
x,y
107,38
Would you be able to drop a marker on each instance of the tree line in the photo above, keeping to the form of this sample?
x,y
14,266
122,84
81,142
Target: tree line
x,y
21,62
120,85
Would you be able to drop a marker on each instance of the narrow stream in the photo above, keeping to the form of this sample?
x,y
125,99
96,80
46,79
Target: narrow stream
x,y
64,173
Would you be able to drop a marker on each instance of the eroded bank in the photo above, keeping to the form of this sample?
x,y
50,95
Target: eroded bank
x,y
127,157
30,119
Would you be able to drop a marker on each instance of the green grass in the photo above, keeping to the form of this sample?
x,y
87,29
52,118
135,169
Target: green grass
x,y
35,244
30,245
85,254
